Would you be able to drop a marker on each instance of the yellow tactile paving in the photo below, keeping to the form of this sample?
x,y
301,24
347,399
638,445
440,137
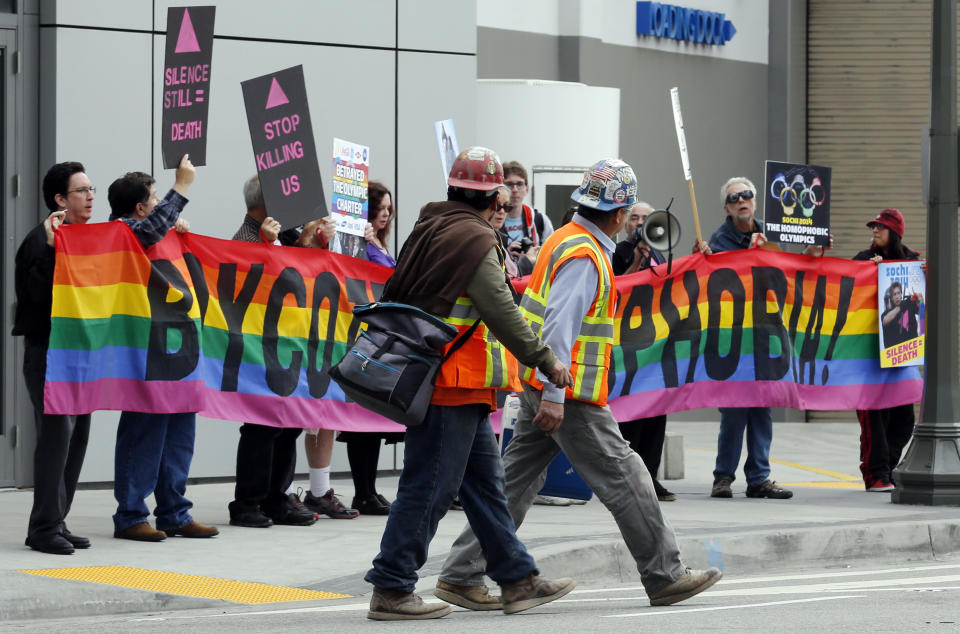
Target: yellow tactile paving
x,y
186,585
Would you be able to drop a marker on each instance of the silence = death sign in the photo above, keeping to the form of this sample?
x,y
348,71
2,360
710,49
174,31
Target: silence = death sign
x,y
186,84
283,146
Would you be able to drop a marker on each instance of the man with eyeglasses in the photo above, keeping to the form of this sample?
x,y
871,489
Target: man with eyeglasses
x,y
522,221
61,439
742,230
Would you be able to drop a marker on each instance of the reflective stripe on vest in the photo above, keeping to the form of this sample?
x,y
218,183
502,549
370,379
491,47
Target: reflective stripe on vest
x,y
481,362
590,355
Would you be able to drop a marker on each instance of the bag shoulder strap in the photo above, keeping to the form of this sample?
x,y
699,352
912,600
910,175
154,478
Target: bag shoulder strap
x,y
462,339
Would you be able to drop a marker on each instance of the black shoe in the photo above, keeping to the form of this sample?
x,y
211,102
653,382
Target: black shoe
x,y
54,545
329,504
76,540
383,500
371,506
768,489
455,505
293,513
662,494
251,519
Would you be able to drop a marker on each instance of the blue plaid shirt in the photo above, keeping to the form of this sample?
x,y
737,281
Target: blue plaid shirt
x,y
151,229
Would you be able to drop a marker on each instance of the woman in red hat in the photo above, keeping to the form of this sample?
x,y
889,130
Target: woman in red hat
x,y
885,432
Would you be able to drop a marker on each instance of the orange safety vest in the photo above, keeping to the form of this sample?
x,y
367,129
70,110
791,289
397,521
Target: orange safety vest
x,y
482,362
590,355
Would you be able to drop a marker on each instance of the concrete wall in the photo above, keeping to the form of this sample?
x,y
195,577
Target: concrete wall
x,y
379,75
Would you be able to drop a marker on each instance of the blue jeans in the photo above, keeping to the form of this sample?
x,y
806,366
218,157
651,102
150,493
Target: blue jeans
x,y
759,427
453,451
153,455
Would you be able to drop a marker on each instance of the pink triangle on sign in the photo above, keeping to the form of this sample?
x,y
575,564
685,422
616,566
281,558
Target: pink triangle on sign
x,y
276,96
187,40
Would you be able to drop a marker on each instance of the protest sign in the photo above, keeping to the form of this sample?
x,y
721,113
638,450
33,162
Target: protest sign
x,y
902,309
447,143
796,207
283,146
186,84
351,168
243,331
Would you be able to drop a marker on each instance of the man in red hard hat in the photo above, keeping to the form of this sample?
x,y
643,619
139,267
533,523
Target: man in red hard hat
x,y
452,267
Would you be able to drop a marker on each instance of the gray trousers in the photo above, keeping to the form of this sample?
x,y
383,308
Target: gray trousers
x,y
591,439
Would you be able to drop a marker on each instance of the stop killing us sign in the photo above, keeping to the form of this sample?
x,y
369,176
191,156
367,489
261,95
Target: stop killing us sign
x,y
186,84
283,146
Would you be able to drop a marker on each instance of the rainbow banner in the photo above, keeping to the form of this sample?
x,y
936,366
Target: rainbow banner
x,y
231,330
247,332
752,328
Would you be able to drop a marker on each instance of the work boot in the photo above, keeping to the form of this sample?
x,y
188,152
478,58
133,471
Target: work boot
x,y
768,489
141,532
470,597
531,591
193,529
721,487
396,605
690,583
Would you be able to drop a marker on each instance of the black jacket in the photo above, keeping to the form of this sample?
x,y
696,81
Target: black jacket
x,y
33,282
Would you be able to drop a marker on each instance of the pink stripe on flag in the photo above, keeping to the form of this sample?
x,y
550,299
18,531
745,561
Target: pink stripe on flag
x,y
185,396
765,394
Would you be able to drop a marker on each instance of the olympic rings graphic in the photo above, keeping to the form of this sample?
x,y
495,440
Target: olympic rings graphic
x,y
782,180
788,194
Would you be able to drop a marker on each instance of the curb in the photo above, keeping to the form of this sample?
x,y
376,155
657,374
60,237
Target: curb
x,y
765,551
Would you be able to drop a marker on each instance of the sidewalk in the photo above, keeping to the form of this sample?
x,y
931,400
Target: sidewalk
x,y
831,521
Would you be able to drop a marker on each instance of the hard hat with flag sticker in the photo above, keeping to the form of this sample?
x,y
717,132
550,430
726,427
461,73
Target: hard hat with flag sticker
x,y
610,184
476,168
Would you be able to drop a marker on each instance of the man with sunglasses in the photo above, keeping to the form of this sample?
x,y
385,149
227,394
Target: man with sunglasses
x,y
742,230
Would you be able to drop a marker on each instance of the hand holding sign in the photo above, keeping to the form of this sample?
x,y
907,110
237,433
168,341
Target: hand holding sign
x,y
185,175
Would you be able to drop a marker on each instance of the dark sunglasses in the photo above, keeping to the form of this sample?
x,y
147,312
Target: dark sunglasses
x,y
734,197
504,207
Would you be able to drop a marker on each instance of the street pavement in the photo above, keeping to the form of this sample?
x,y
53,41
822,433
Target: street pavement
x,y
830,521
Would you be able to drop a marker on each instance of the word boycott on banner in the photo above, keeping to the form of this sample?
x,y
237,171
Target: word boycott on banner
x,y
186,84
248,332
283,146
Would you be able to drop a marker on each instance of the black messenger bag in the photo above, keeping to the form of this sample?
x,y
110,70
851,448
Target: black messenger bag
x,y
391,367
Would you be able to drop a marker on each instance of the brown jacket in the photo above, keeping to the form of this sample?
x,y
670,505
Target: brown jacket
x,y
440,257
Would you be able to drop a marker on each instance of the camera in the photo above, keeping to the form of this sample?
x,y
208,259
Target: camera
x,y
525,244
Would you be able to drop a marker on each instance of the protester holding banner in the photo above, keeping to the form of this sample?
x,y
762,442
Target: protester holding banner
x,y
885,432
452,267
363,448
61,438
571,299
266,455
153,451
741,230
645,435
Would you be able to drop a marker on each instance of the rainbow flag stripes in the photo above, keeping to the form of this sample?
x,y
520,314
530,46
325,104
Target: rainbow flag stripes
x,y
247,332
